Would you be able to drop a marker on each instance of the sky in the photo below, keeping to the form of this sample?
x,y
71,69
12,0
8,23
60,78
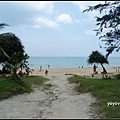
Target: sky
x,y
53,28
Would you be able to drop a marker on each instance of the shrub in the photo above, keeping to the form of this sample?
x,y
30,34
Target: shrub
x,y
118,76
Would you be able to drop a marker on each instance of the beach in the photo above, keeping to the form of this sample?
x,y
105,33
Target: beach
x,y
60,101
85,72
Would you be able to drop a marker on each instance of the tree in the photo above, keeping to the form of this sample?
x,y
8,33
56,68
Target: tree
x,y
97,57
14,56
12,53
110,22
14,63
2,52
11,44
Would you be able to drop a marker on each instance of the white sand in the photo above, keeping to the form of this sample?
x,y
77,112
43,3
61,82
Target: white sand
x,y
61,101
79,71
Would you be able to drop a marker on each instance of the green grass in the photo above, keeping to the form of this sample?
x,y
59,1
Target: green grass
x,y
47,86
105,90
9,87
36,80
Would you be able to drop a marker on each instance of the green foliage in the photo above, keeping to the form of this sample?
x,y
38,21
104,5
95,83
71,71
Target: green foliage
x,y
117,76
11,44
110,21
92,75
9,86
75,79
17,61
2,25
97,57
36,80
105,90
12,53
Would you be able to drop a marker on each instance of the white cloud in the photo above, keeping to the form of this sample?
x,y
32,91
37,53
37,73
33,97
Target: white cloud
x,y
45,22
65,18
41,6
90,32
84,4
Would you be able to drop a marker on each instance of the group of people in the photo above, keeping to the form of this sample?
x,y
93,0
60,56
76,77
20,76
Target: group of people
x,y
46,71
96,72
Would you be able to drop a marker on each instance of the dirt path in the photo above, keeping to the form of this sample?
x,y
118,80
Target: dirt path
x,y
61,101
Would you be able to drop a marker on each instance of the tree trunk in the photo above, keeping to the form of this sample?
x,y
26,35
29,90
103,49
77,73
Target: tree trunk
x,y
104,71
103,68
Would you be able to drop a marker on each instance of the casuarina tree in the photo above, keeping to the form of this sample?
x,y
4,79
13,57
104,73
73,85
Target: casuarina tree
x,y
108,24
97,57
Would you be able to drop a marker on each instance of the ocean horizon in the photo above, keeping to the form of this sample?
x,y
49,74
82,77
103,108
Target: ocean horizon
x,y
68,62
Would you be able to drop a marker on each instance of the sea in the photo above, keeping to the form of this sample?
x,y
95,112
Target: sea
x,y
68,62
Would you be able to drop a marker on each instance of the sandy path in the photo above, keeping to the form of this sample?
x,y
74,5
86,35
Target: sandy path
x,y
61,101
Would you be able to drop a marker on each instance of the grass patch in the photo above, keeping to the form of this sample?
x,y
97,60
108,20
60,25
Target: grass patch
x,y
36,80
105,90
75,79
9,87
47,86
117,76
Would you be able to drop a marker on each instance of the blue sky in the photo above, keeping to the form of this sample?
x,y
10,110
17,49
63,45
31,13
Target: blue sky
x,y
52,28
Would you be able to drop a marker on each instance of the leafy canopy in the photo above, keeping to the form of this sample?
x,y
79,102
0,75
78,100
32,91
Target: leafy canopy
x,y
110,23
97,57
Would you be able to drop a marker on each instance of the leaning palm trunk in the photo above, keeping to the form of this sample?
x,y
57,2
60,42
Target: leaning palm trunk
x,y
103,67
104,71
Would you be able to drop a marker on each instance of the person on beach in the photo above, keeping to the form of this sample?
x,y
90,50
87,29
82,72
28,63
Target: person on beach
x,y
94,69
46,72
48,66
40,68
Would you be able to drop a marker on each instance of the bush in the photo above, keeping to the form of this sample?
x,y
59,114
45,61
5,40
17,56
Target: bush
x,y
118,76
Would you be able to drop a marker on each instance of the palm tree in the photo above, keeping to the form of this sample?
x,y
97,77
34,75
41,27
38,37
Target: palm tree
x,y
97,57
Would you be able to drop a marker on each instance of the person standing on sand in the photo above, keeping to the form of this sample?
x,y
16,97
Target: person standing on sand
x,y
94,69
46,72
40,68
48,66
